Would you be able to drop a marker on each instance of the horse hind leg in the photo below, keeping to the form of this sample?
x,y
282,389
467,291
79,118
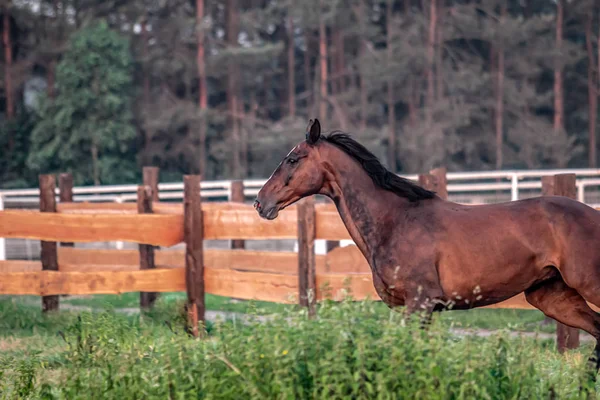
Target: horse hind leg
x,y
564,304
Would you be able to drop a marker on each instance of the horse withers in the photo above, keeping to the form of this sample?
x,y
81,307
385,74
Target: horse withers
x,y
430,254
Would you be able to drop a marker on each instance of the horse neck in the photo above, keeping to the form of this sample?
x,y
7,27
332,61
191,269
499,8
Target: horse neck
x,y
363,206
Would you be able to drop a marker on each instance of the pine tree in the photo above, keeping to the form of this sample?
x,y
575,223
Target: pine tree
x,y
87,128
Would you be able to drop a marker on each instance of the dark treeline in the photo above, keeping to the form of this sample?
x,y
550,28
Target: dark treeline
x,y
225,88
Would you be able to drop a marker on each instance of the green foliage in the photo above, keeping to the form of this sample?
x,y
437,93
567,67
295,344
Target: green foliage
x,y
14,141
88,128
351,350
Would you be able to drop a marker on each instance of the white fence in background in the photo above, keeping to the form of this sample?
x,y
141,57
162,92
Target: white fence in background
x,y
463,187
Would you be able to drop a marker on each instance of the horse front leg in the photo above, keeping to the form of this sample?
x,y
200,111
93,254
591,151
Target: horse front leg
x,y
423,302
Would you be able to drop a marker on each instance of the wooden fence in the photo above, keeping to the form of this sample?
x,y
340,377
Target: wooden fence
x,y
283,277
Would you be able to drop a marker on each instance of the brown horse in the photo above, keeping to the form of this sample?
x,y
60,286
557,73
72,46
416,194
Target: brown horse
x,y
430,254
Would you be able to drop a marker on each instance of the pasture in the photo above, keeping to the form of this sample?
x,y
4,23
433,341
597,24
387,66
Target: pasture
x,y
237,323
351,350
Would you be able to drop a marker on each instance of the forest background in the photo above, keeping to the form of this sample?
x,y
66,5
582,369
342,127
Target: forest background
x,y
226,88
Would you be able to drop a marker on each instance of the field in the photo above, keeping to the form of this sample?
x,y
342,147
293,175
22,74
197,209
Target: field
x,y
100,347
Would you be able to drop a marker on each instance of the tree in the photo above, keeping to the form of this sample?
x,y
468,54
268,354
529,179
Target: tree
x,y
8,62
87,128
559,109
202,89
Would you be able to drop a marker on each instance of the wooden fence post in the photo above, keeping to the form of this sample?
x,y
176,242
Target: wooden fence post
x,y
441,182
427,181
144,206
436,181
237,195
307,278
49,253
150,178
65,187
562,185
193,231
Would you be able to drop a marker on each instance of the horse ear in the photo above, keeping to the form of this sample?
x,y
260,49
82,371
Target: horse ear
x,y
313,131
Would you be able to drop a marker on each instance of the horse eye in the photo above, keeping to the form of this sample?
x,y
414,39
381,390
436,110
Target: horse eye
x,y
292,161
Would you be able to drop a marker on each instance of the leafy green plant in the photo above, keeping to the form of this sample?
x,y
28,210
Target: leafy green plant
x,y
350,350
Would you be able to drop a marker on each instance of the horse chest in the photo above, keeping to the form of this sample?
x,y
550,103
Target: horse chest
x,y
390,293
389,283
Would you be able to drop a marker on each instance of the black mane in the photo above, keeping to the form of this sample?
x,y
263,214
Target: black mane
x,y
373,167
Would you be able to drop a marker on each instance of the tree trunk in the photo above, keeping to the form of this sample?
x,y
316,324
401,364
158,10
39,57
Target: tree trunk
x,y
291,61
430,61
500,98
307,80
363,90
202,89
145,72
95,166
558,84
592,92
243,141
391,104
340,61
412,104
439,87
10,106
233,88
361,54
50,79
322,65
337,61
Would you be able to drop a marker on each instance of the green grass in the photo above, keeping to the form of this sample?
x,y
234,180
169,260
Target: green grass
x,y
354,350
518,320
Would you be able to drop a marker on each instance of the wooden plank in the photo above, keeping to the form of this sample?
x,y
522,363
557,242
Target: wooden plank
x,y
97,256
46,283
194,244
517,302
163,259
252,285
243,222
67,267
338,286
307,280
85,207
19,266
167,208
329,224
159,230
177,208
65,187
222,282
146,252
49,254
347,259
237,196
276,262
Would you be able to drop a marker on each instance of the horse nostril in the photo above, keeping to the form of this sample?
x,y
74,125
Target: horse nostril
x,y
257,205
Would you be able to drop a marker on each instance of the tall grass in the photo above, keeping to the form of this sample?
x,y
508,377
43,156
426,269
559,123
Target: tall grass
x,y
350,351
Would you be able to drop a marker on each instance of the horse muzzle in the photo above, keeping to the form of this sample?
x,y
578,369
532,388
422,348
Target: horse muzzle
x,y
267,211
